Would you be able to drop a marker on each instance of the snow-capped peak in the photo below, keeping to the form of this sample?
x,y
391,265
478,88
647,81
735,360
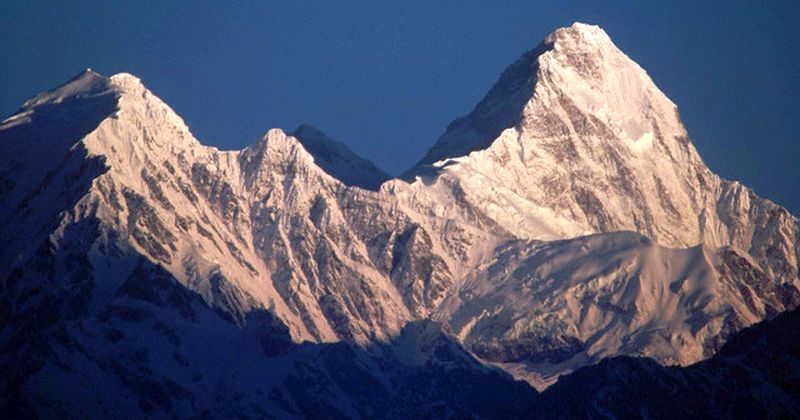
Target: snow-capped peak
x,y
579,62
574,139
127,82
87,84
579,35
599,79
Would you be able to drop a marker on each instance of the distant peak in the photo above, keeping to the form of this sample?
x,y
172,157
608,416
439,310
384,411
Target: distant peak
x,y
85,84
88,73
338,160
308,133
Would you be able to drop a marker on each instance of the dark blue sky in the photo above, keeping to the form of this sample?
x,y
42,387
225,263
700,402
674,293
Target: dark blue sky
x,y
387,78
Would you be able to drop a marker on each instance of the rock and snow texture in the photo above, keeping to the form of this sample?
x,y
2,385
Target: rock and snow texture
x,y
295,238
544,308
262,228
576,139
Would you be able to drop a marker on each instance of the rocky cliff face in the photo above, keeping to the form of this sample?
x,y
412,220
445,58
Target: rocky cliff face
x,y
118,226
261,228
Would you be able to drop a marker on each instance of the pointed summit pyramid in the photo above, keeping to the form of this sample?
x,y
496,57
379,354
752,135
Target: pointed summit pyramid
x,y
580,63
577,147
575,138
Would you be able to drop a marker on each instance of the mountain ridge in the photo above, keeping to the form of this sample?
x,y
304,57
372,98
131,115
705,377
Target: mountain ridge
x,y
528,273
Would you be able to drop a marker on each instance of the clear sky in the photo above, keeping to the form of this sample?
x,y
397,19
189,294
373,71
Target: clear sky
x,y
386,77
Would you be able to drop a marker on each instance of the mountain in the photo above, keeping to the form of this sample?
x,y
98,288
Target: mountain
x,y
575,139
338,160
567,220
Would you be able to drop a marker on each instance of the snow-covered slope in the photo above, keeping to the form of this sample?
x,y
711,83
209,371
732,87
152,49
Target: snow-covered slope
x,y
107,196
575,138
540,309
145,273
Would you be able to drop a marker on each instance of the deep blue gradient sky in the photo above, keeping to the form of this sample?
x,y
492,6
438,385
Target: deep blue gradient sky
x,y
386,77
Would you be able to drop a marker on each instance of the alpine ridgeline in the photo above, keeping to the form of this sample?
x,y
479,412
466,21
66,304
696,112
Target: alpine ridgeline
x,y
567,219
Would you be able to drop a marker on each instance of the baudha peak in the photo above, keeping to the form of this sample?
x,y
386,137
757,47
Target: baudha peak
x,y
338,160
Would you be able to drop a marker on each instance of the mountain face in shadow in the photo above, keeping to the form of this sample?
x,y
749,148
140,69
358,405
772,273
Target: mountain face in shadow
x,y
754,375
157,349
